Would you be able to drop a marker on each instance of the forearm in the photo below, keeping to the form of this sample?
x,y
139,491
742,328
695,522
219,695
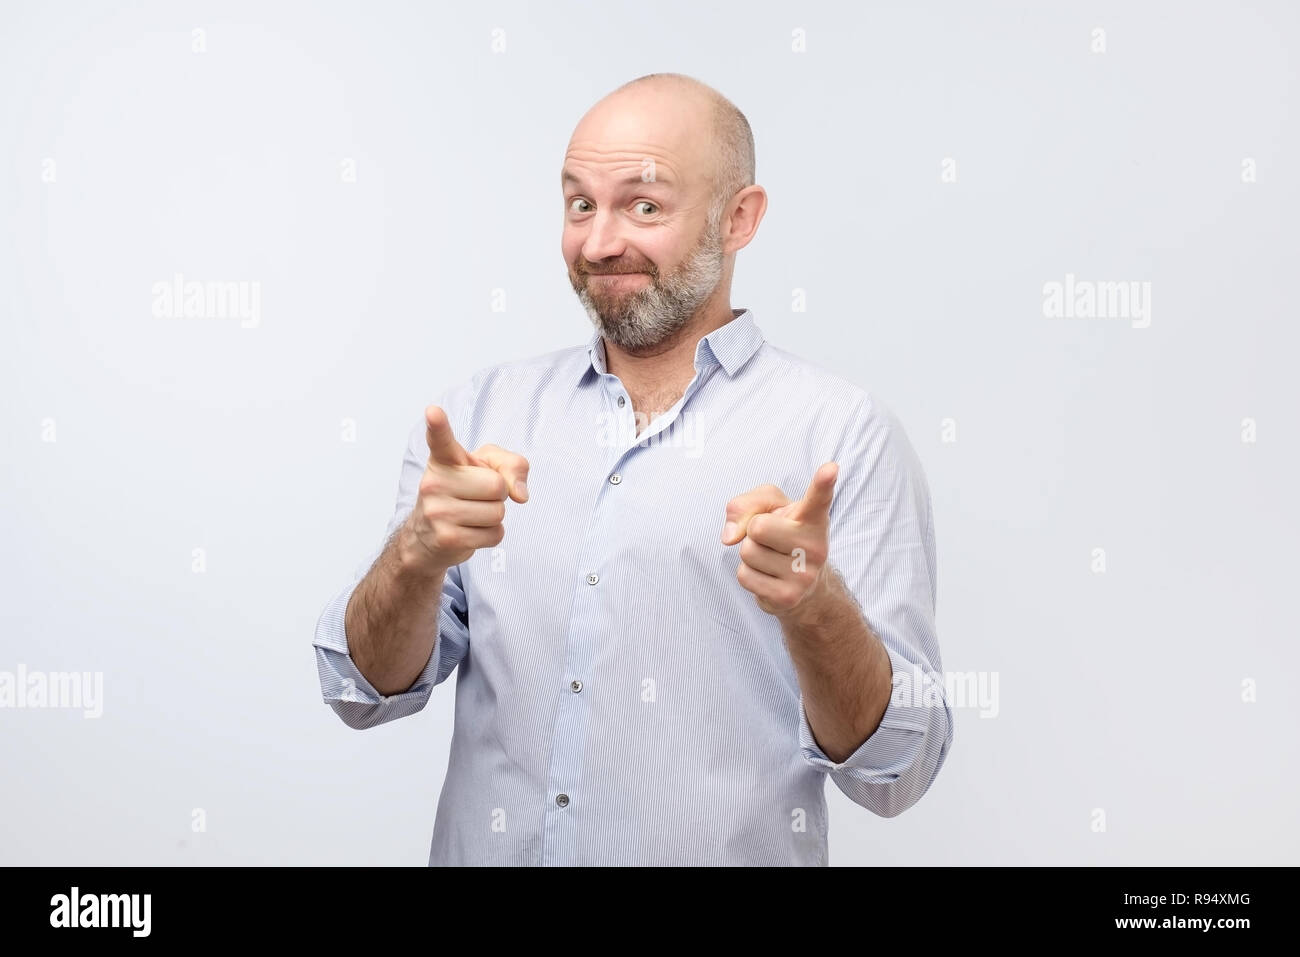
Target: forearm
x,y
392,617
843,668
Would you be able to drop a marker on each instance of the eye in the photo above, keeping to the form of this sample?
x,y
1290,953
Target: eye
x,y
653,206
574,203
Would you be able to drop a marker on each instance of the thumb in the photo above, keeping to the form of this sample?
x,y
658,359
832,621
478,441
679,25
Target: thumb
x,y
744,507
512,466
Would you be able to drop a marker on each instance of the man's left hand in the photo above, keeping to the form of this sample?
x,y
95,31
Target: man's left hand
x,y
784,544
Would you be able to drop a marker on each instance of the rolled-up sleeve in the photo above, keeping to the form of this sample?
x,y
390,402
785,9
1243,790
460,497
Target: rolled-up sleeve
x,y
346,689
343,686
882,544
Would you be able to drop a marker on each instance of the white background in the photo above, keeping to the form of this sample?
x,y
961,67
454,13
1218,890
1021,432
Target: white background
x,y
1119,691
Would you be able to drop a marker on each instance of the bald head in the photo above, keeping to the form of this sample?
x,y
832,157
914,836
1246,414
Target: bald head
x,y
690,118
659,194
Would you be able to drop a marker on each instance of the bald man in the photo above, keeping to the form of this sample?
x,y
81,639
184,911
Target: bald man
x,y
718,583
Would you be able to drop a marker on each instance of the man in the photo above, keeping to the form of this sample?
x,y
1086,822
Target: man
x,y
653,570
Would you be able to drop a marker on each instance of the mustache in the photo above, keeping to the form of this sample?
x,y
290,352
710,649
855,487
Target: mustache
x,y
584,270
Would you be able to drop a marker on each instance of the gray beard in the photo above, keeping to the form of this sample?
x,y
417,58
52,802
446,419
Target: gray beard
x,y
652,315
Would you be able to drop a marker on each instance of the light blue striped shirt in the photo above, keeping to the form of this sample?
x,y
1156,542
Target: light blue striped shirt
x,y
621,698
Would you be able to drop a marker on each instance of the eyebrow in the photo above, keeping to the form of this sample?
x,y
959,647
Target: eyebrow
x,y
632,179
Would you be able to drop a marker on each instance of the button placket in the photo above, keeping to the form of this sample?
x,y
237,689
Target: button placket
x,y
569,733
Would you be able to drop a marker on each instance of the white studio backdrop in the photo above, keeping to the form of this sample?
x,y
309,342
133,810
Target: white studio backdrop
x,y
1113,488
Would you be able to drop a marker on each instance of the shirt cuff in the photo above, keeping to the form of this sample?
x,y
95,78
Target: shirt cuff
x,y
916,701
346,689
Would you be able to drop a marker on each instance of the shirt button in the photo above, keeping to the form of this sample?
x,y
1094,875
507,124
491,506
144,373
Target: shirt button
x,y
593,578
562,800
615,479
620,402
575,685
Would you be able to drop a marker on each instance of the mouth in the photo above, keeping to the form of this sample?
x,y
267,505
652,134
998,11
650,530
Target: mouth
x,y
616,279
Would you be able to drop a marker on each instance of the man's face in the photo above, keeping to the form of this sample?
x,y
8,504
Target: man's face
x,y
641,254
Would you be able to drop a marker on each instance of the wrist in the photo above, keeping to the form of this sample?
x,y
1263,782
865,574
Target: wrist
x,y
413,561
813,606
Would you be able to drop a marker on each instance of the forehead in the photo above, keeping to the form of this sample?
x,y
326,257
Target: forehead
x,y
638,141
641,170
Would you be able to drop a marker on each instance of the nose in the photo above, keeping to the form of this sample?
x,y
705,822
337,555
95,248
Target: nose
x,y
603,240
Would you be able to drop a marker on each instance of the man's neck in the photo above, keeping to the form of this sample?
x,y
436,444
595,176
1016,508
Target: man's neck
x,y
657,378
669,361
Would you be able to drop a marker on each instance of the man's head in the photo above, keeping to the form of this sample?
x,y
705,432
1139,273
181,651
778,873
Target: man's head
x,y
659,194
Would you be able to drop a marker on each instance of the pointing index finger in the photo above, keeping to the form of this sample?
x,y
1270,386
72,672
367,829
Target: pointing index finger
x,y
815,506
443,447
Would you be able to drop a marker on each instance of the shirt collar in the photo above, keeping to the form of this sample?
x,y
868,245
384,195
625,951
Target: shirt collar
x,y
730,346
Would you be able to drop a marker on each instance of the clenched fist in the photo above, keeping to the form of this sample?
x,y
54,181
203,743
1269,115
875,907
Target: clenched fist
x,y
462,499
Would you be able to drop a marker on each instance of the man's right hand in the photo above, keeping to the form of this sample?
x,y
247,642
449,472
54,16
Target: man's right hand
x,y
462,500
